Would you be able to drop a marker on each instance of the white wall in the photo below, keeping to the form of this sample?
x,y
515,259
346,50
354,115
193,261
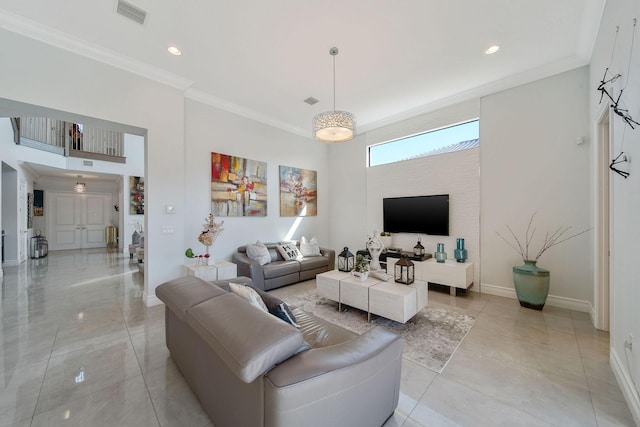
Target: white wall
x,y
208,130
531,163
625,200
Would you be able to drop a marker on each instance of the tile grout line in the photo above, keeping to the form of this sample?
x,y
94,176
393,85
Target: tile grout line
x,y
35,407
142,373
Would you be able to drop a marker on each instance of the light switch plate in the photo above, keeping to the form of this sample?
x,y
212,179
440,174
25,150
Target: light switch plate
x,y
170,209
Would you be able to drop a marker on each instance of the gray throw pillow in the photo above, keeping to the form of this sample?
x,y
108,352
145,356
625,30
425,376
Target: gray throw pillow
x,y
277,307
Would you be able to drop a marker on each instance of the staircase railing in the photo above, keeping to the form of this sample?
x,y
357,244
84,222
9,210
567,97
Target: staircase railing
x,y
72,139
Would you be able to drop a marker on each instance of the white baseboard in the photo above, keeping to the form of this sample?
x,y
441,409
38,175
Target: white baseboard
x,y
151,300
552,300
627,387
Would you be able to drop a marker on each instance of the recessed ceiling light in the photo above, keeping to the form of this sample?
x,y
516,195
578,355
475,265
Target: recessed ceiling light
x,y
493,49
174,51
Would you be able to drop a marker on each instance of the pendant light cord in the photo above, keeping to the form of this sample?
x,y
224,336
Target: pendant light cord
x,y
334,82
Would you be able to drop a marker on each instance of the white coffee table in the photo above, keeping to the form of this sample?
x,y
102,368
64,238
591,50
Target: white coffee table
x,y
388,299
355,292
328,284
396,301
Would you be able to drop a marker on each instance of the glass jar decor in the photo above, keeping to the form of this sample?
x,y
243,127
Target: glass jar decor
x,y
440,255
418,249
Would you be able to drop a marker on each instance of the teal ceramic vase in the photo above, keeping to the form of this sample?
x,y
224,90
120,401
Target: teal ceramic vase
x,y
460,253
532,285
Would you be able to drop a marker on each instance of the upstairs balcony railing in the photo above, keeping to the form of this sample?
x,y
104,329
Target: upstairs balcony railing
x,y
71,139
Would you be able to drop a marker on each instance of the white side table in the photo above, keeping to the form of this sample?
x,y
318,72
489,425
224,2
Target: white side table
x,y
226,270
219,270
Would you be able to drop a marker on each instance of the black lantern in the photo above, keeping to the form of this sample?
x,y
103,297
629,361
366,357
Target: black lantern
x,y
404,271
418,249
346,260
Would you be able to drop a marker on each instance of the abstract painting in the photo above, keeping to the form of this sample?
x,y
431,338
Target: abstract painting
x,y
298,192
136,195
238,186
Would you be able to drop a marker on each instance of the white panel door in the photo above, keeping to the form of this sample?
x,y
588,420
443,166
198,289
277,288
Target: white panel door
x,y
94,220
64,224
78,221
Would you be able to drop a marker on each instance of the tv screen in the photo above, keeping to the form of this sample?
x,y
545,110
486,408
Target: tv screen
x,y
419,214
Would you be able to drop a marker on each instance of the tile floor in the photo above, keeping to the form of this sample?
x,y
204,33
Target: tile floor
x,y
78,347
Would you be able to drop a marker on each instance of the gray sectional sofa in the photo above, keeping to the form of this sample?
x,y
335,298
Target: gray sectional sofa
x,y
280,272
250,368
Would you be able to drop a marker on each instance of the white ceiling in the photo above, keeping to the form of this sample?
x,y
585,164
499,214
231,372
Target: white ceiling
x,y
261,59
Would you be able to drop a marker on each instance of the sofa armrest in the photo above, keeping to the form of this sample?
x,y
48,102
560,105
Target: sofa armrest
x,y
356,383
249,268
319,361
331,255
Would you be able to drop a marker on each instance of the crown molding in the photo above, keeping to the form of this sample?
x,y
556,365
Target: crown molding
x,y
25,27
214,101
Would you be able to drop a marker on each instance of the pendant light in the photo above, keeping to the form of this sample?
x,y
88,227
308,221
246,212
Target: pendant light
x,y
334,126
80,187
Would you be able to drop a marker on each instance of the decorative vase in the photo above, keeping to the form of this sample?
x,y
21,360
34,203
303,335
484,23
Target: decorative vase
x,y
532,284
440,255
135,238
460,253
362,276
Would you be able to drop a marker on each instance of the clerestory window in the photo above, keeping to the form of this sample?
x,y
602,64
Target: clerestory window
x,y
462,136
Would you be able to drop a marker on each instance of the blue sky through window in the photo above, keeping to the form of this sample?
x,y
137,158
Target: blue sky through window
x,y
415,146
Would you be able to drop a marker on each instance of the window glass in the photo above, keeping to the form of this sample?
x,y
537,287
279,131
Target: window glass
x,y
445,140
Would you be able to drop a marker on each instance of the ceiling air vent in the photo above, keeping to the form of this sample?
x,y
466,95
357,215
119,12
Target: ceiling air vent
x,y
87,163
132,12
311,100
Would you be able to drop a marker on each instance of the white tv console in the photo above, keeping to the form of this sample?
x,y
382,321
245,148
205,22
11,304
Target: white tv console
x,y
456,275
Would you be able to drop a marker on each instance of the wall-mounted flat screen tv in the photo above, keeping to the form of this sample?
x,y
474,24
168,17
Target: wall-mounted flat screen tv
x,y
418,214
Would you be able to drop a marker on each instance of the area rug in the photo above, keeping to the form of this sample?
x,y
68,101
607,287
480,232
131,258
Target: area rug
x,y
430,337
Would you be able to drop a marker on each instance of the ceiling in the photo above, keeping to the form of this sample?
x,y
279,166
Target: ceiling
x,y
261,59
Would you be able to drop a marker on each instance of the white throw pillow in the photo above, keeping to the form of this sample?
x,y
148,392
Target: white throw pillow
x,y
289,251
309,247
248,294
259,252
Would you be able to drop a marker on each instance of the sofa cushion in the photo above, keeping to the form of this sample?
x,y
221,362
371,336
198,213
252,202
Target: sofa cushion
x,y
289,251
250,342
280,268
310,263
259,252
249,294
309,247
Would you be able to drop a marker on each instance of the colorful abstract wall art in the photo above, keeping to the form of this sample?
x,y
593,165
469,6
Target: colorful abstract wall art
x,y
298,192
238,186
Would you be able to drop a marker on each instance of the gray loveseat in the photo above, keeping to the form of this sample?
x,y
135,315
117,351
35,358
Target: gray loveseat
x,y
280,272
250,368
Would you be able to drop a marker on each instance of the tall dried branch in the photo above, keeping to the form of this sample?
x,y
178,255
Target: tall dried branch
x,y
550,240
